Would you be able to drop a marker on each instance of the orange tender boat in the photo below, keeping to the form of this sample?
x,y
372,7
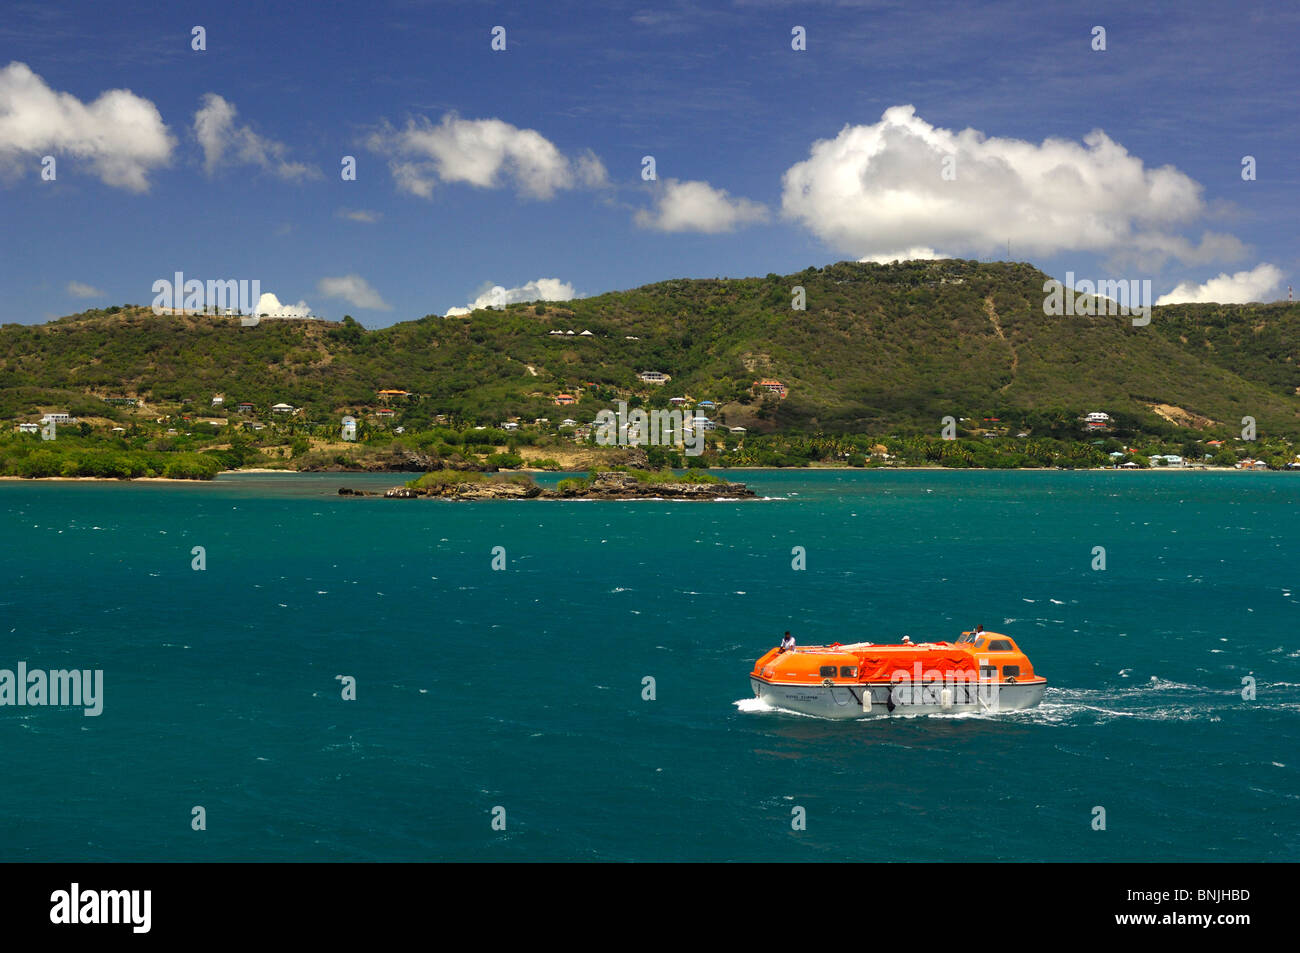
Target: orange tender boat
x,y
980,672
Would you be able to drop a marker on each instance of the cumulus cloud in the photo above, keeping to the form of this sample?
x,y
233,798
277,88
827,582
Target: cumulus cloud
x,y
270,306
121,135
481,152
902,183
353,289
699,207
543,289
225,143
360,215
79,290
1244,286
906,254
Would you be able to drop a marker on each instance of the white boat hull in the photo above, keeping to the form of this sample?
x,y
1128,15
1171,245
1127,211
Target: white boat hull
x,y
849,700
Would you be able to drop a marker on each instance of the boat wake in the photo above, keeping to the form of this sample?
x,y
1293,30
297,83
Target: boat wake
x,y
1157,700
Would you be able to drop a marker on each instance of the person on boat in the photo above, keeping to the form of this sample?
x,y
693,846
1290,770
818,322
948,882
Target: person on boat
x,y
979,630
787,643
907,640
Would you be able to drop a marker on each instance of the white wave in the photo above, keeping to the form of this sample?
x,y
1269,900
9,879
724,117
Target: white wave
x,y
750,705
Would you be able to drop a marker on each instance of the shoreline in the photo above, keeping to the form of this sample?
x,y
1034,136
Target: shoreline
x,y
20,479
714,470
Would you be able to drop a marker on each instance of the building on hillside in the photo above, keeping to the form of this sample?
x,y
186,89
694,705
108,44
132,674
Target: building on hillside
x,y
218,400
654,377
568,422
565,399
29,428
282,408
771,386
739,430
702,423
385,412
679,401
510,425
246,407
58,418
121,401
393,394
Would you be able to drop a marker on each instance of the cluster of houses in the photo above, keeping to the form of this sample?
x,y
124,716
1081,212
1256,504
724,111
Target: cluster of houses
x,y
769,386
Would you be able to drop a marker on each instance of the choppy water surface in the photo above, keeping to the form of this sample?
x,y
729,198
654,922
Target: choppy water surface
x,y
522,688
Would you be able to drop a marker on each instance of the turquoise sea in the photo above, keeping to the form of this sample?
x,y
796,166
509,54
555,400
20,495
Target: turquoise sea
x,y
521,689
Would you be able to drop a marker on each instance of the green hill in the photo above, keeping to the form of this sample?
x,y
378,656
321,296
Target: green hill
x,y
878,348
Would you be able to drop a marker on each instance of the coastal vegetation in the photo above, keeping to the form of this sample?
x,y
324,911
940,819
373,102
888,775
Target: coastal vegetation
x,y
882,356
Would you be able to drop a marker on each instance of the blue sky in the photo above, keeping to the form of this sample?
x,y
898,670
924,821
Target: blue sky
x,y
478,167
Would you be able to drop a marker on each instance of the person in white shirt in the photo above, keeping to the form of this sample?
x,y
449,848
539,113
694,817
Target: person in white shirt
x,y
787,643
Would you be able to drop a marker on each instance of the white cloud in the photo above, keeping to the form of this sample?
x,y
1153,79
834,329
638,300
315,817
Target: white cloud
x,y
907,254
699,207
121,135
353,289
876,188
543,289
79,290
1244,286
225,143
481,152
270,306
360,215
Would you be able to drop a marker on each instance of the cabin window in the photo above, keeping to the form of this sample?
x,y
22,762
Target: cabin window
x,y
979,644
1010,671
848,671
1001,645
988,671
828,671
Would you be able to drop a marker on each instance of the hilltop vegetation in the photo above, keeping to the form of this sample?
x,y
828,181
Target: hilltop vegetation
x,y
880,349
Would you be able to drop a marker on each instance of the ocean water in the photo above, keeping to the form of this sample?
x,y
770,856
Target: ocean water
x,y
517,693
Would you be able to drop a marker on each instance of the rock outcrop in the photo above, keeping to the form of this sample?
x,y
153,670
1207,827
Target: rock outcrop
x,y
625,486
614,485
